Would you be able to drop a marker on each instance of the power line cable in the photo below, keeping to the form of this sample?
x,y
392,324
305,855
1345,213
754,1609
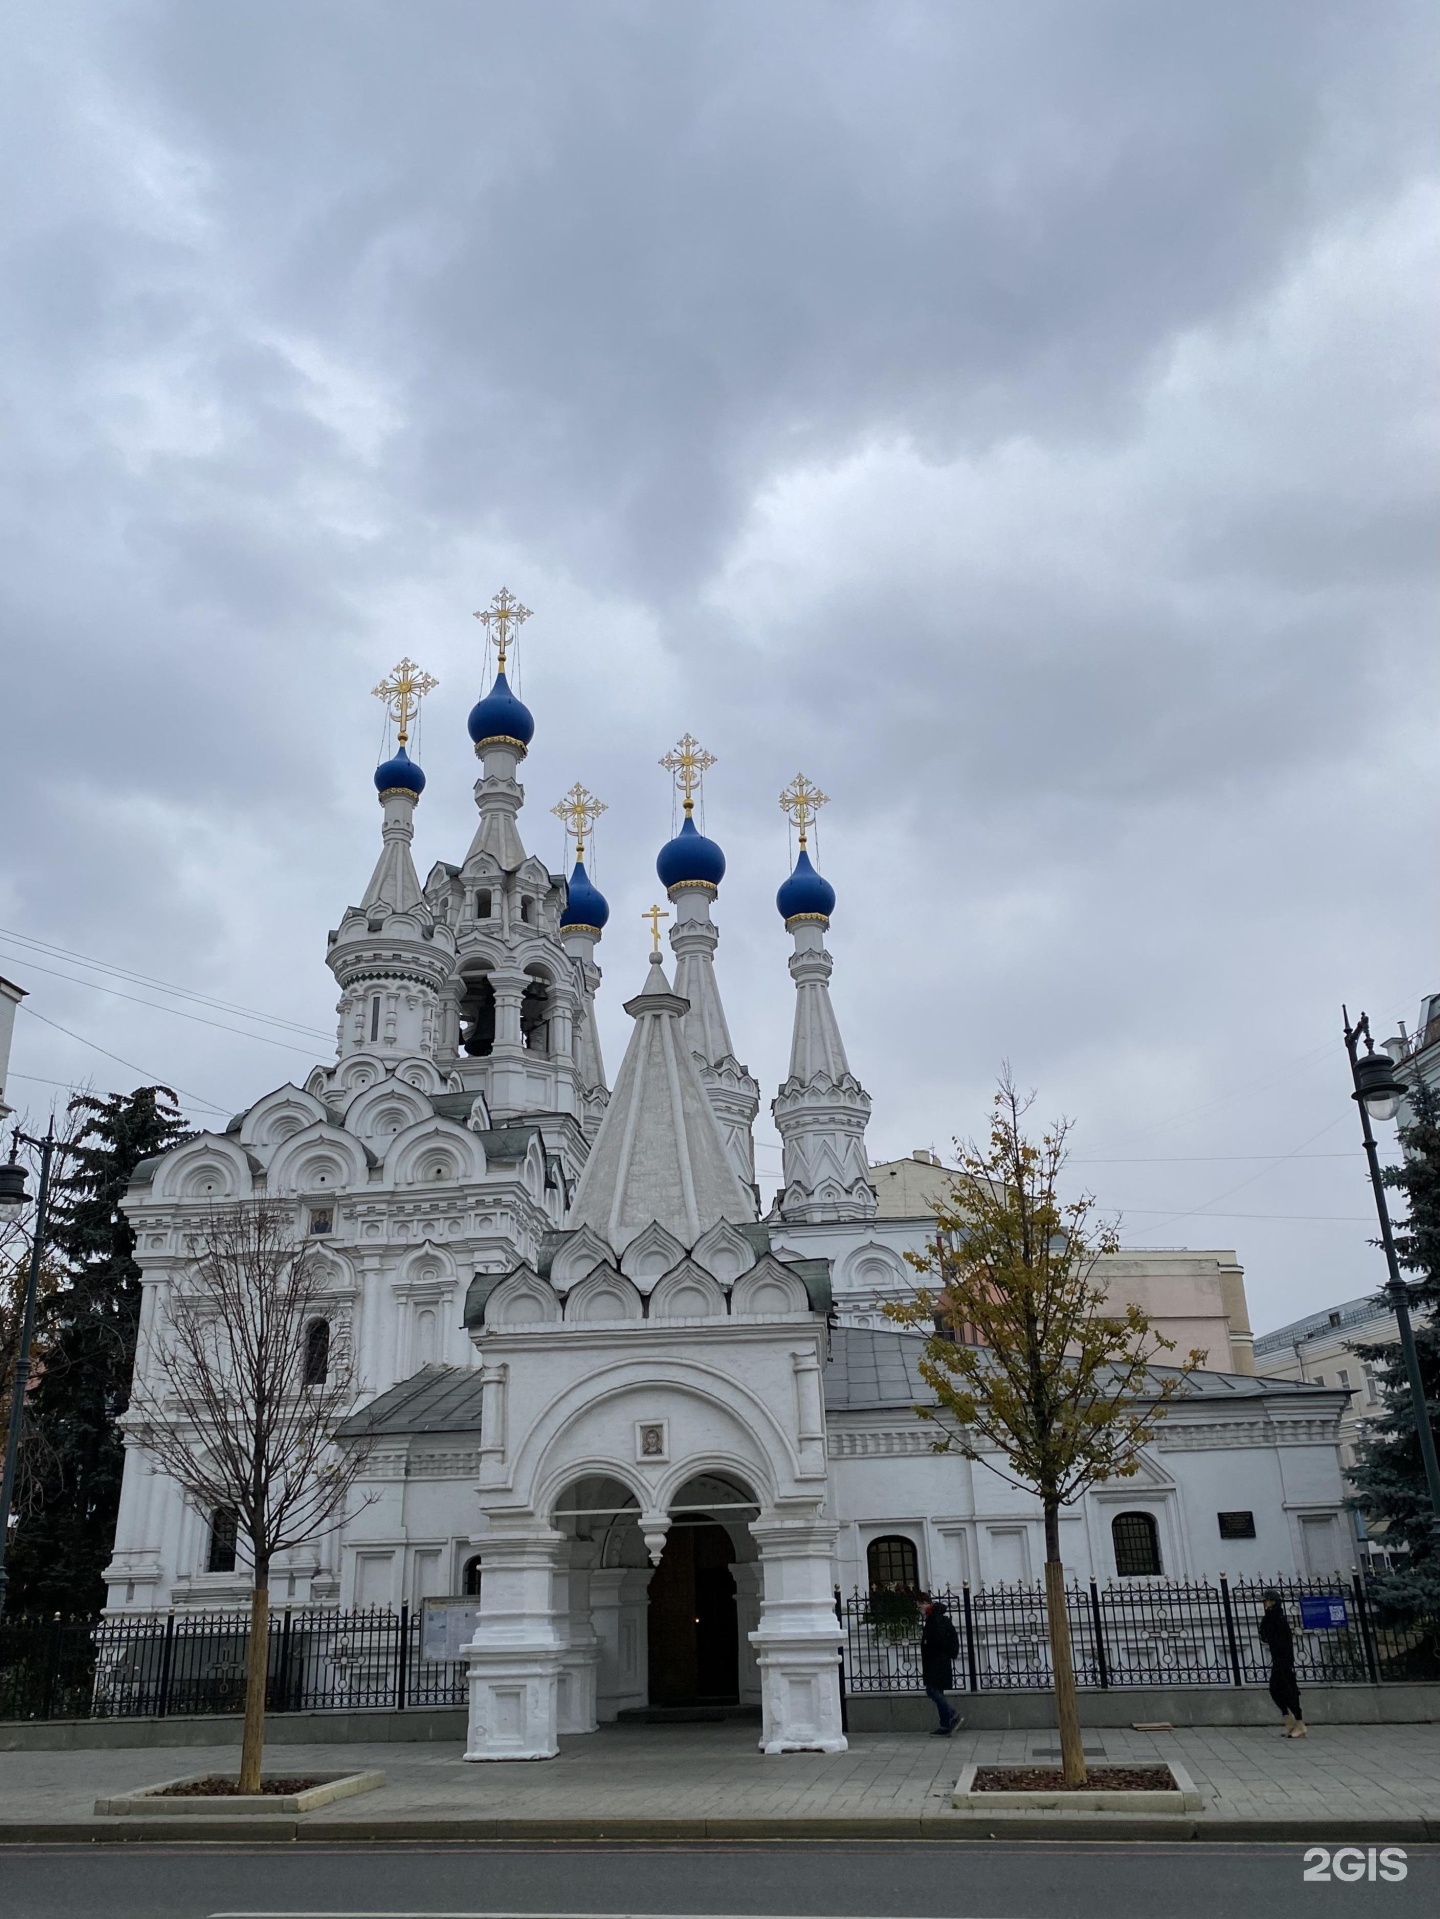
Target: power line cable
x,y
1201,1211
154,1079
1211,1159
199,1019
164,986
1334,1219
1298,1065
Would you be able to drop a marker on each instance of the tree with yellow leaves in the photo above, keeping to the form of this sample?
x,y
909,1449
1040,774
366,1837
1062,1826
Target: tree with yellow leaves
x,y
1024,1353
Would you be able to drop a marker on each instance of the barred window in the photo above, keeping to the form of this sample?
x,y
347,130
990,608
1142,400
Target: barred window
x,y
1137,1545
224,1532
470,1578
893,1561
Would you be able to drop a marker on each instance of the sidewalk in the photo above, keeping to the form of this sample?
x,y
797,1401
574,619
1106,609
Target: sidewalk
x,y
1366,1784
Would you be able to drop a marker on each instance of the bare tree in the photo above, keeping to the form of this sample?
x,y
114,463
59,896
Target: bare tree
x,y
1024,1353
238,1396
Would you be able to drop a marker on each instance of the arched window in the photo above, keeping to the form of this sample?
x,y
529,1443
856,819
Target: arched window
x,y
224,1532
425,1329
482,903
470,1578
893,1562
524,910
317,1352
1136,1539
535,1011
477,1015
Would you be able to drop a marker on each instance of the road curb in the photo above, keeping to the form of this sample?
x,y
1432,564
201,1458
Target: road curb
x,y
946,1826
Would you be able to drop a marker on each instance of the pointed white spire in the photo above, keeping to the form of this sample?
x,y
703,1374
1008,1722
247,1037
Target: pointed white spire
x,y
733,1092
658,1154
389,956
502,727
691,868
395,883
822,1109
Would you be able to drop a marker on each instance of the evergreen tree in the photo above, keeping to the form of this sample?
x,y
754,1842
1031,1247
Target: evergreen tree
x,y
85,1348
1388,1477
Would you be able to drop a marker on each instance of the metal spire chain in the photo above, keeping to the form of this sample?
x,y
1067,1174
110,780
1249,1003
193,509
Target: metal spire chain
x,y
579,809
688,763
802,801
402,694
502,620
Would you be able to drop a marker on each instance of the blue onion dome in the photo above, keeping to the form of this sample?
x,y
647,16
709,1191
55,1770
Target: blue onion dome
x,y
805,895
401,773
690,860
501,716
585,904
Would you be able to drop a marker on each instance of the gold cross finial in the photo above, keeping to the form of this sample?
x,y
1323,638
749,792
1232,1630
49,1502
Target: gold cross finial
x,y
502,619
687,762
802,801
579,809
402,694
655,915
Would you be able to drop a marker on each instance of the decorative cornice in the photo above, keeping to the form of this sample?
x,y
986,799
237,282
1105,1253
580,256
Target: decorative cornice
x,y
1235,1434
886,1442
452,1462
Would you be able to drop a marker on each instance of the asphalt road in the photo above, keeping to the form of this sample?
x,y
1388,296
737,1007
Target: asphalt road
x,y
846,1880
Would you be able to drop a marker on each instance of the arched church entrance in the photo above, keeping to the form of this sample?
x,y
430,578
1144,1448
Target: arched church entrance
x,y
692,1627
693,1614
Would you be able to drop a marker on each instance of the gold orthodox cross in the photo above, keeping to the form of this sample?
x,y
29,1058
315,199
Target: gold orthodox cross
x,y
579,809
402,694
802,802
502,620
655,915
687,763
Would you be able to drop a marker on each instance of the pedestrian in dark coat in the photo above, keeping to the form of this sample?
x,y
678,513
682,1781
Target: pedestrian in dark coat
x,y
1280,1643
939,1645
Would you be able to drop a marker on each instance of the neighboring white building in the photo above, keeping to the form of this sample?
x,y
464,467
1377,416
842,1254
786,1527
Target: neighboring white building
x,y
1319,1350
665,1427
1194,1299
1417,1054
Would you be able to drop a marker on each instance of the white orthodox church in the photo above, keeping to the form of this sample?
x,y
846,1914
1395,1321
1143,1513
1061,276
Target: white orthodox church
x,y
662,1419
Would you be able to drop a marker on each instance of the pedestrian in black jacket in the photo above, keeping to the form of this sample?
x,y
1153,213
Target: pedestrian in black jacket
x,y
939,1645
1275,1631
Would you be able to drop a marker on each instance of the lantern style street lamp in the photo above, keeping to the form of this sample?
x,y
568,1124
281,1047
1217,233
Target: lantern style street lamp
x,y
1378,1093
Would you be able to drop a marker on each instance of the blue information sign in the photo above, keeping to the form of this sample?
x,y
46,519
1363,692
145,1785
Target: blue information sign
x,y
1323,1612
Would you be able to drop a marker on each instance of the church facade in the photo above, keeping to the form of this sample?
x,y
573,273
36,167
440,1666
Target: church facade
x,y
652,1429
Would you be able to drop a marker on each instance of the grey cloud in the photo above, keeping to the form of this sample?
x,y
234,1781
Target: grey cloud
x,y
322,319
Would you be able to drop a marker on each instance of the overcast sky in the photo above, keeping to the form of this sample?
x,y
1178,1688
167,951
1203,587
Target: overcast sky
x,y
1020,418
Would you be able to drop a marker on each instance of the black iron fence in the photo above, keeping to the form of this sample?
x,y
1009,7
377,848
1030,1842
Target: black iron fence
x,y
152,1665
1141,1633
1130,1633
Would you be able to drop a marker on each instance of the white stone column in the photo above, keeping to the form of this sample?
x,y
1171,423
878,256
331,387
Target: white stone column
x,y
509,1056
580,1661
514,1658
798,1639
746,1574
611,1691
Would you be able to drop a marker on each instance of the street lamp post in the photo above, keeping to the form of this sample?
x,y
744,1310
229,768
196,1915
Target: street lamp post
x,y
12,1198
1378,1092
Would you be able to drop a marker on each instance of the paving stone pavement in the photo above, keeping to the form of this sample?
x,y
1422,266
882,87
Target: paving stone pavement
x,y
707,1773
